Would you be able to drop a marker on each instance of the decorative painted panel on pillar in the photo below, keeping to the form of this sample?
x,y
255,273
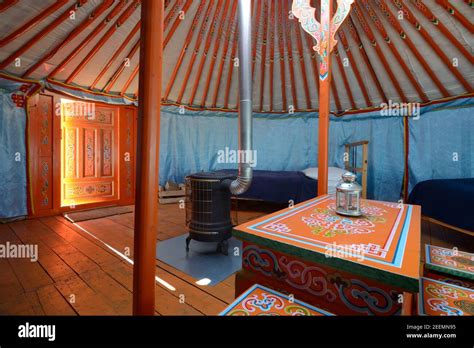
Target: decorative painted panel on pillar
x,y
40,153
128,140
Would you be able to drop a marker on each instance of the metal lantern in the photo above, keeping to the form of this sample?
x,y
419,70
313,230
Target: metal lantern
x,y
348,194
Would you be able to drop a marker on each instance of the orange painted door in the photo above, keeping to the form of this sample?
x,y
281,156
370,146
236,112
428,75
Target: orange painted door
x,y
89,145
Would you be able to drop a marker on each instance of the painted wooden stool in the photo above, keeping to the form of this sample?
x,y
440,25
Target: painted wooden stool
x,y
450,264
442,299
262,301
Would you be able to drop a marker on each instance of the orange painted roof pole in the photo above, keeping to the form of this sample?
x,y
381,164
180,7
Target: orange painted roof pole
x,y
148,141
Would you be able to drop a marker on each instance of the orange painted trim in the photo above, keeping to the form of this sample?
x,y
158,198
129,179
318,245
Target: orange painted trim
x,y
81,89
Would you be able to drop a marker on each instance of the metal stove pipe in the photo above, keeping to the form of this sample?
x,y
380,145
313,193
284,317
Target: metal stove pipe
x,y
244,179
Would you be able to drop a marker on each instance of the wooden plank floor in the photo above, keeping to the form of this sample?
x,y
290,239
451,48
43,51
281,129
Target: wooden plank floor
x,y
85,268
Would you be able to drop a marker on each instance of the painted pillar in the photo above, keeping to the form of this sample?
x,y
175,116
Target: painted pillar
x,y
324,95
148,141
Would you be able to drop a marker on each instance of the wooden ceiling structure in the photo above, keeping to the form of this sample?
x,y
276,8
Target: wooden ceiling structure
x,y
394,50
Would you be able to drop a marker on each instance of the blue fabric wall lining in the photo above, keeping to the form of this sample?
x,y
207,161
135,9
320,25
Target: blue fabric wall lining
x,y
190,143
442,143
13,198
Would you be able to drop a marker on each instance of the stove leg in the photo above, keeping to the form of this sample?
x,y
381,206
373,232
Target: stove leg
x,y
223,247
188,240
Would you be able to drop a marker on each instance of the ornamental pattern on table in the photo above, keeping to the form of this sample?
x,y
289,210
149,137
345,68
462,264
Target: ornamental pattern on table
x,y
442,299
325,221
263,302
322,284
451,258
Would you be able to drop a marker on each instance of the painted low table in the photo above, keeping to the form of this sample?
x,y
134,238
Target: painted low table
x,y
450,262
347,266
440,299
262,301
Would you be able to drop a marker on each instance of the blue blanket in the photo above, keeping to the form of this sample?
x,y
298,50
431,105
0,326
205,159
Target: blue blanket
x,y
450,201
279,186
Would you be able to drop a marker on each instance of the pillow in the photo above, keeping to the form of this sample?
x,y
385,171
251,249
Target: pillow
x,y
334,173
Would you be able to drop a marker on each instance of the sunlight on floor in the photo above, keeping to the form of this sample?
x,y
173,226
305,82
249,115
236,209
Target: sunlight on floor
x,y
126,258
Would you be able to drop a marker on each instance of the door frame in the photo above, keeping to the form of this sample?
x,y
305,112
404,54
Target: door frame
x,y
57,165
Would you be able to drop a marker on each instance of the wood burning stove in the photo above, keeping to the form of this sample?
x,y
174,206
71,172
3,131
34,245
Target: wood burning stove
x,y
208,207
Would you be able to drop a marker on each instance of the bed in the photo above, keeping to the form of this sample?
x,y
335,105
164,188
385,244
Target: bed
x,y
299,186
449,201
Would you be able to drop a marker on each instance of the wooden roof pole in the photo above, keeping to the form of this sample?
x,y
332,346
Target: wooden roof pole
x,y
220,37
281,48
114,12
456,14
96,13
447,60
116,54
45,31
357,74
32,22
6,4
195,52
148,142
263,53
272,51
103,40
207,47
225,52
289,49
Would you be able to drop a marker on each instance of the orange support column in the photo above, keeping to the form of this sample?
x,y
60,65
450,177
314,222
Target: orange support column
x,y
148,126
324,94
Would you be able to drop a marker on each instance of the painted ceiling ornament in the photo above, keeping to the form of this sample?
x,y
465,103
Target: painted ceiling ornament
x,y
303,10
